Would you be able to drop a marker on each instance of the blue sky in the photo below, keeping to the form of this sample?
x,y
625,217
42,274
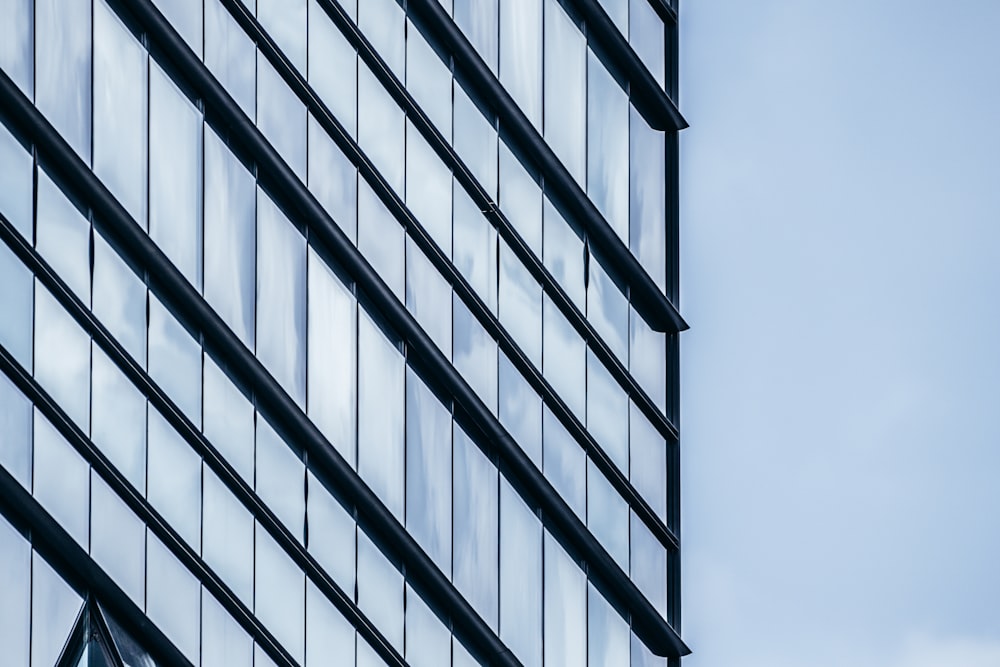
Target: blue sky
x,y
840,231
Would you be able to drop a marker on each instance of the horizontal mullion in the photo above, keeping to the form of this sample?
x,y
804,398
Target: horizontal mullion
x,y
444,266
197,441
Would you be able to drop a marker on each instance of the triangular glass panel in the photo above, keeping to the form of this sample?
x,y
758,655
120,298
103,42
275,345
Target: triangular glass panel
x,y
89,644
131,652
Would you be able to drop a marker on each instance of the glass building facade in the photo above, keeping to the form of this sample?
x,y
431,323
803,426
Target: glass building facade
x,y
339,333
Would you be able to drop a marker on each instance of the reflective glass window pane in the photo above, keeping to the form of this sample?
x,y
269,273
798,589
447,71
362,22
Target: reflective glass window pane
x,y
384,24
520,410
15,582
175,360
520,304
380,128
333,180
428,80
521,55
281,298
229,54
62,358
607,515
475,354
229,420
649,461
607,310
229,238
119,420
475,253
63,68
428,641
428,297
15,178
565,463
647,197
281,117
367,657
476,141
174,484
643,657
332,539
607,412
476,528
285,22
261,658
380,593
117,539
120,111
172,598
16,305
428,189
15,425
520,577
648,355
279,594
565,89
478,20
380,415
428,471
521,199
607,145
175,136
618,11
563,254
54,609
120,299
16,45
333,68
565,607
185,17
460,656
646,36
332,357
329,637
63,237
564,358
223,642
227,527
649,565
62,480
381,240
280,479
607,633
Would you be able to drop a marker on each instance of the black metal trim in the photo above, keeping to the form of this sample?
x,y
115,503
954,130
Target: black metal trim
x,y
61,551
647,298
197,441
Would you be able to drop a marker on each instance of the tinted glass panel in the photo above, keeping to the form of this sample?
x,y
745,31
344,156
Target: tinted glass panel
x,y
117,540
521,199
285,22
228,534
174,479
223,642
332,357
428,80
15,582
520,410
62,69
172,598
120,300
475,354
332,539
281,117
478,20
333,68
475,253
607,515
120,111
564,358
175,136
607,146
229,420
62,358
62,480
15,424
607,412
279,594
476,141
647,197
333,180
185,17
520,305
380,415
649,565
428,471
428,190
564,254
646,37
280,478
281,298
565,464
521,55
175,360
649,462
428,641
381,239
63,237
229,238
16,305
329,637
16,45
476,528
607,310
15,179
119,420
648,355
565,89
383,22
607,633
428,297
380,128
229,54
380,593
565,608
520,578
54,608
